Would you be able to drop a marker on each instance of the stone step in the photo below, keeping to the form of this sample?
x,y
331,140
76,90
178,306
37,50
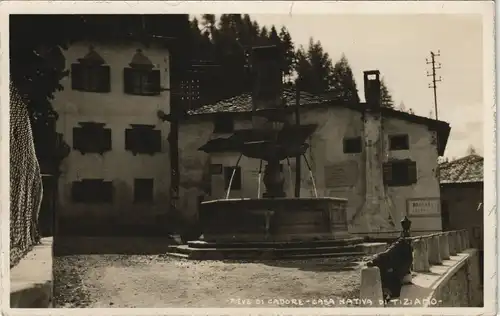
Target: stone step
x,y
276,245
325,255
176,255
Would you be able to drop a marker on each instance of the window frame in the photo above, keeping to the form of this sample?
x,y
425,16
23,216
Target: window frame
x,y
139,132
84,137
147,76
82,192
389,172
349,139
84,74
406,138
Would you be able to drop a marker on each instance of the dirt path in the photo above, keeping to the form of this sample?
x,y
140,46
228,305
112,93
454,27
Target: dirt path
x,y
154,281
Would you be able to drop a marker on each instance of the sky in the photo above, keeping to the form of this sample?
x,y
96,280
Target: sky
x,y
398,45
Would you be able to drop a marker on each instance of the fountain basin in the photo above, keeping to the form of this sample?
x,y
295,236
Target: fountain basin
x,y
274,219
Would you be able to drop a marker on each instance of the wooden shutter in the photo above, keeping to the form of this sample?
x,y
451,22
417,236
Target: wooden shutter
x,y
130,140
78,139
387,171
412,172
154,77
106,189
77,76
156,141
106,140
104,79
128,74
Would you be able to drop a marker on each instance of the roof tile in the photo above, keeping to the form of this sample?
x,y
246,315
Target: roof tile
x,y
464,170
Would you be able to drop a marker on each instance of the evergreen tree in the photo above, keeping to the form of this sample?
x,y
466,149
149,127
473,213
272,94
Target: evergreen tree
x,y
288,49
402,107
471,150
386,97
343,83
314,68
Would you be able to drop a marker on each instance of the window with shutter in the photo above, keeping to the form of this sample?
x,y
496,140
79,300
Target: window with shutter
x,y
144,82
143,139
92,191
90,77
92,138
400,173
228,172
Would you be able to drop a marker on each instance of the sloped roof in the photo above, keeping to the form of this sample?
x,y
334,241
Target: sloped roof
x,y
467,169
243,103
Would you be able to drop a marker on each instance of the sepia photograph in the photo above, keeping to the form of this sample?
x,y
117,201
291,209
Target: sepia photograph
x,y
227,157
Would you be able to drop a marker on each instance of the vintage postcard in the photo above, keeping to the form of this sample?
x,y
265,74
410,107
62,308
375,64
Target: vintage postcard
x,y
260,158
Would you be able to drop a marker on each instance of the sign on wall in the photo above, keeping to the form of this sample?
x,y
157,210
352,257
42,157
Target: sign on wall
x,y
343,174
425,207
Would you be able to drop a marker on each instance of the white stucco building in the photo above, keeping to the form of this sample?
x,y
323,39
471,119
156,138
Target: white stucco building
x,y
382,160
118,168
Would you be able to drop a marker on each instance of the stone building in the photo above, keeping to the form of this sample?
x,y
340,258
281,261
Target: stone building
x,y
382,160
118,170
462,196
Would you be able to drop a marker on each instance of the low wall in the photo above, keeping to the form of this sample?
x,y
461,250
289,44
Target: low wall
x,y
31,278
445,273
277,219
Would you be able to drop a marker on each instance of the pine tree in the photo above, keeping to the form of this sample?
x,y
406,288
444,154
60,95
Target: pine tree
x,y
386,97
343,83
402,107
314,68
289,53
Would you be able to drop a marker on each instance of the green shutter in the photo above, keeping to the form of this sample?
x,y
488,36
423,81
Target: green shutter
x,y
106,140
76,76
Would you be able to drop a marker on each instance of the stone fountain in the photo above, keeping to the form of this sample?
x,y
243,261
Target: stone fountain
x,y
272,223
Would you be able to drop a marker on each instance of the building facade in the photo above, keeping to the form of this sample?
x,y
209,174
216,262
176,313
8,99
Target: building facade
x,y
382,160
462,196
118,168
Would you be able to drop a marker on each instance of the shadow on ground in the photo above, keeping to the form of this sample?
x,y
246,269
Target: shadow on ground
x,y
74,245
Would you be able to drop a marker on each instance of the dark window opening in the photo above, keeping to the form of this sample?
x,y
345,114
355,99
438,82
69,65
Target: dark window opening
x,y
92,138
399,142
143,139
228,172
143,190
215,169
400,173
223,124
90,78
141,81
92,191
352,145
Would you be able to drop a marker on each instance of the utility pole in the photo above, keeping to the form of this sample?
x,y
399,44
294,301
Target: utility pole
x,y
432,74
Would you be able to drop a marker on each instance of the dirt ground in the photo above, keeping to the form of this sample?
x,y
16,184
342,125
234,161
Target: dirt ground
x,y
158,281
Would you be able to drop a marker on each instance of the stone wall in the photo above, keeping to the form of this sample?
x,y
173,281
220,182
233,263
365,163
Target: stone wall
x,y
445,273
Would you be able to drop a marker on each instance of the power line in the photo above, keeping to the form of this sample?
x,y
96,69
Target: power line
x,y
435,66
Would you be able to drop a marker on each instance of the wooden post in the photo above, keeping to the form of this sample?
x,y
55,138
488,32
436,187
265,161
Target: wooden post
x,y
298,170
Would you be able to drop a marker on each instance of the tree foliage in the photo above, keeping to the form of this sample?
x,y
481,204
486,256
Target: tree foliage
x,y
386,97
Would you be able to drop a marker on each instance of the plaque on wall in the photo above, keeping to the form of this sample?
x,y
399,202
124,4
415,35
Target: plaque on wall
x,y
344,174
424,207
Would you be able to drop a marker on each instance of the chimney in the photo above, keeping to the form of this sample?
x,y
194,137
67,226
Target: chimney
x,y
267,77
372,89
